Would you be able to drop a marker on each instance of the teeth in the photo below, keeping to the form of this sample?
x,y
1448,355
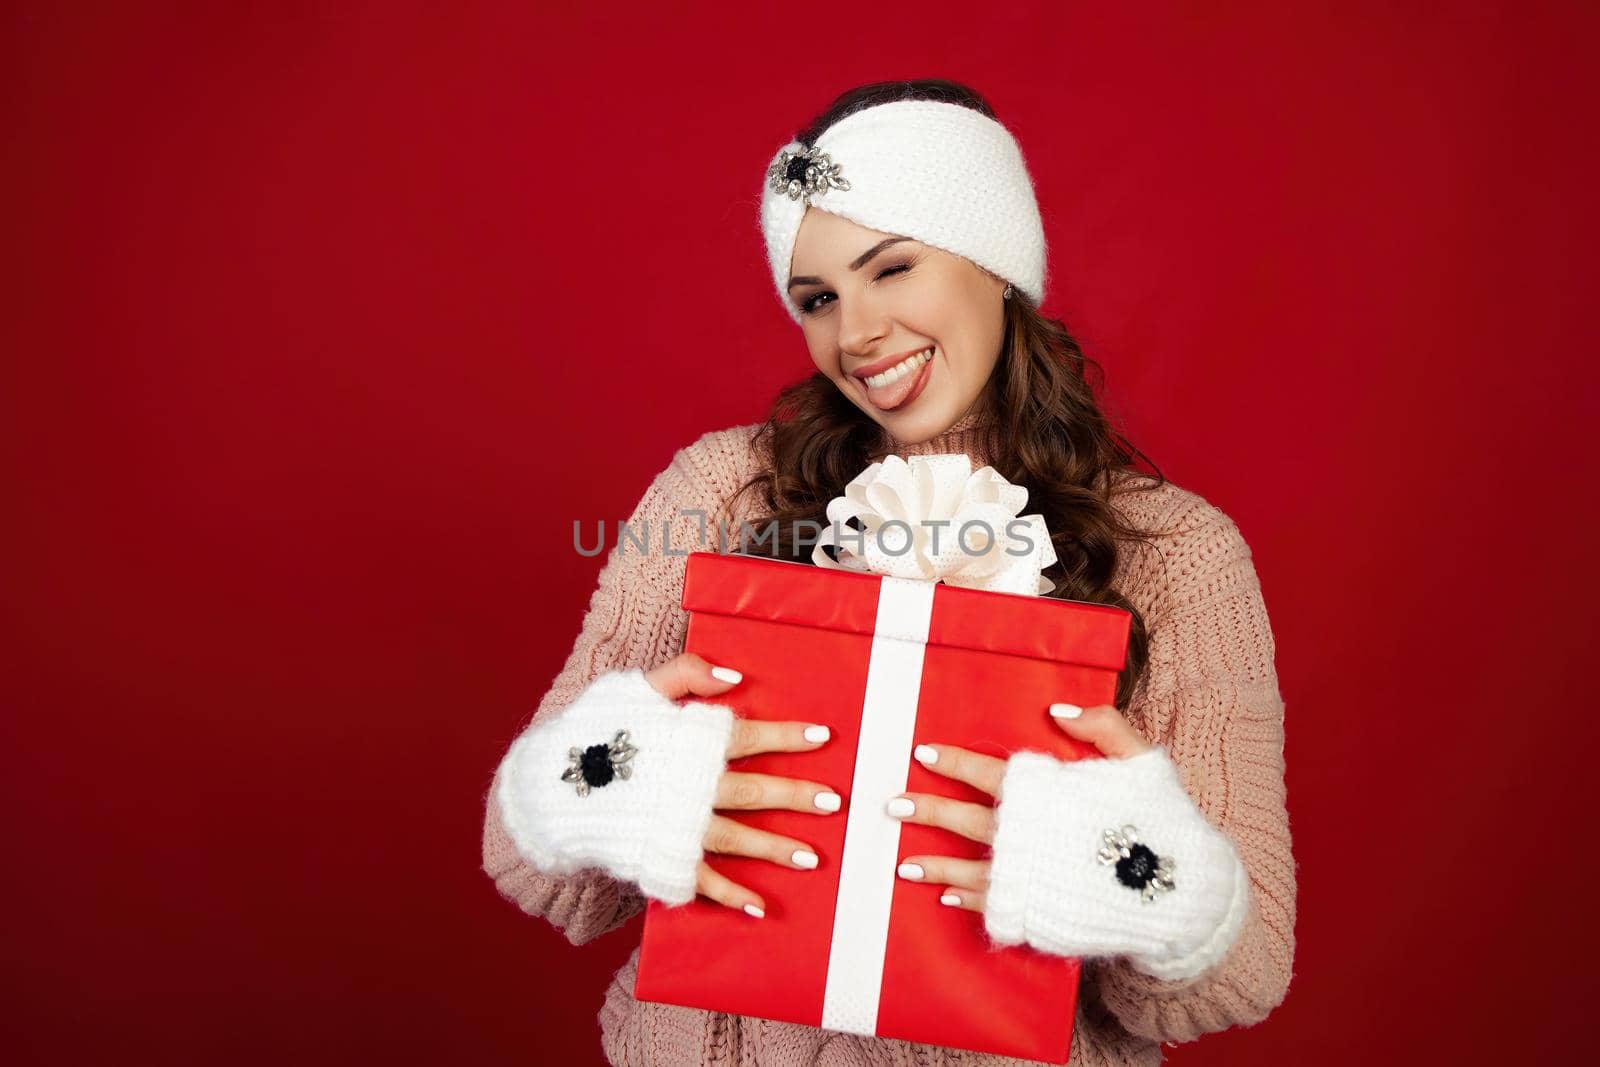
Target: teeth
x,y
900,370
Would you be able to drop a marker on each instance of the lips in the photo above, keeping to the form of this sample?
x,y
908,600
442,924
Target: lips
x,y
881,365
899,386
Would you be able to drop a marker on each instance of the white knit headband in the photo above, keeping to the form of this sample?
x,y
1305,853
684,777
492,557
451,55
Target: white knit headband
x,y
939,173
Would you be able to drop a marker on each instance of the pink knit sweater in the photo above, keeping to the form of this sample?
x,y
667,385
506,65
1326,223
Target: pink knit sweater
x,y
1209,694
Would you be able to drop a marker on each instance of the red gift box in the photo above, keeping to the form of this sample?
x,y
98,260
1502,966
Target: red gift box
x,y
887,663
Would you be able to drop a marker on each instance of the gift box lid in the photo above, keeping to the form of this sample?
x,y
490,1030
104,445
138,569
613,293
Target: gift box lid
x,y
783,591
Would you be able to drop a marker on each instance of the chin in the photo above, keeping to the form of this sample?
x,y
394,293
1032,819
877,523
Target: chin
x,y
915,427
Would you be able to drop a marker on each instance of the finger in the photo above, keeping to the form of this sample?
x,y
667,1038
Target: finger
x,y
727,892
975,821
750,792
690,675
974,768
751,736
957,873
966,899
1102,726
733,838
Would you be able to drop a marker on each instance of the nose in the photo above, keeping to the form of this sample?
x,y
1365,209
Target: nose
x,y
863,324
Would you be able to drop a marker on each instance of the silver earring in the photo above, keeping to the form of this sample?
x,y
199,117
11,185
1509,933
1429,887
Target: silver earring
x,y
1007,294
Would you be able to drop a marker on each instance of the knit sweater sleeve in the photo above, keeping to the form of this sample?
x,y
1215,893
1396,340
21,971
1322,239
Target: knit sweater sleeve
x,y
634,619
1212,699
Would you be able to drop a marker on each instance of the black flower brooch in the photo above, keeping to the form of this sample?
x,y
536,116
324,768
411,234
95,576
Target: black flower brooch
x,y
1137,866
800,174
596,765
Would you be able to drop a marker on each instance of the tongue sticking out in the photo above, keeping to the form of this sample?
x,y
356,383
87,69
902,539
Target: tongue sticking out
x,y
902,390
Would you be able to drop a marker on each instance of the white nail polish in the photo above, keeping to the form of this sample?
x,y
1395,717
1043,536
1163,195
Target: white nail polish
x,y
805,859
827,801
951,899
926,754
727,674
1065,711
816,734
912,871
754,912
901,807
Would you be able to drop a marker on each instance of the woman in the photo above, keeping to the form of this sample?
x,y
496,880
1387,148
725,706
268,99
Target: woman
x,y
905,241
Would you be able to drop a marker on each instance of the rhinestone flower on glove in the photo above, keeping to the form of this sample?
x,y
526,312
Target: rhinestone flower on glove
x,y
597,765
1138,867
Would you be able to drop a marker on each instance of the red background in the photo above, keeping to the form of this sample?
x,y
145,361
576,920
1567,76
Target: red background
x,y
325,322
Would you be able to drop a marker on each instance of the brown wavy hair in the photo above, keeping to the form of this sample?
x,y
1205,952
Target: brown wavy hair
x,y
1057,442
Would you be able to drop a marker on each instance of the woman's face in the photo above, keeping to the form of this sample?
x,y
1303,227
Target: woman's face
x,y
910,333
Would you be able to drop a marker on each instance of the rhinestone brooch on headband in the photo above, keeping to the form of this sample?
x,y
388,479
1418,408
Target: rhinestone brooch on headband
x,y
1137,866
804,173
596,765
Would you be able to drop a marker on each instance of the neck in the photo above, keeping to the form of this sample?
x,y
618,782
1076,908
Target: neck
x,y
963,435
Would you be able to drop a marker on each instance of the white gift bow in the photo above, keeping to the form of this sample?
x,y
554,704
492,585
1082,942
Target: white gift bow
x,y
934,496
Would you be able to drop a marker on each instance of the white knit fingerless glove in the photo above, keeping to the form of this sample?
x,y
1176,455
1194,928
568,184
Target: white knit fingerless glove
x,y
1173,895
622,778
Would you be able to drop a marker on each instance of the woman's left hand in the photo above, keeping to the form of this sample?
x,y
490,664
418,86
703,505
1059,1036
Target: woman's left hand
x,y
967,881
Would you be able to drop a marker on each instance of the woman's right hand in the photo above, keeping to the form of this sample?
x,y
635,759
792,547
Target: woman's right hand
x,y
690,675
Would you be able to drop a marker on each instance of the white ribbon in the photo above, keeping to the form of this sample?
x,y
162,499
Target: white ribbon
x,y
936,519
867,866
925,521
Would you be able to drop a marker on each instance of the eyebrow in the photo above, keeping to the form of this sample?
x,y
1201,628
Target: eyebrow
x,y
861,261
